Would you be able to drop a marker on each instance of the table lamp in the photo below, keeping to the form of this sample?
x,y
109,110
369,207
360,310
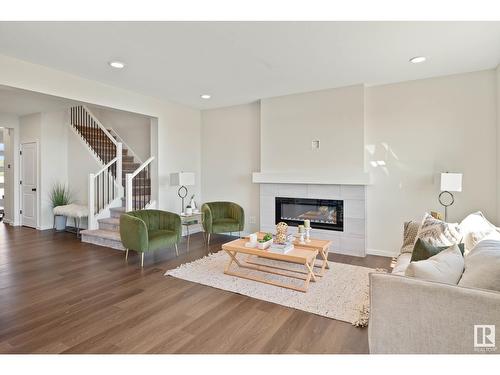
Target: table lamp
x,y
182,179
449,182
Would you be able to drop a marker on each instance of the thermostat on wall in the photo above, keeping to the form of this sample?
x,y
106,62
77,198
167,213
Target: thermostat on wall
x,y
315,145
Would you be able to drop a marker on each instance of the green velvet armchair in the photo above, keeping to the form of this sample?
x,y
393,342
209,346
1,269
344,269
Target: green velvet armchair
x,y
149,230
222,217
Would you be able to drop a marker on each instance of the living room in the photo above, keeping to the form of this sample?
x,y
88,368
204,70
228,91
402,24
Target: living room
x,y
256,187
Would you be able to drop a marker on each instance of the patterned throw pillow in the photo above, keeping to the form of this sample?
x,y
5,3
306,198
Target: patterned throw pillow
x,y
439,233
409,236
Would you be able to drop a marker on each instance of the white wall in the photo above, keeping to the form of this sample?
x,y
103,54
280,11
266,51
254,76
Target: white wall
x,y
498,142
230,153
11,139
49,130
177,146
420,129
290,123
133,129
54,162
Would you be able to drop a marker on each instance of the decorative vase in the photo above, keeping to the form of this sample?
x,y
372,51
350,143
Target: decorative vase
x,y
193,204
281,232
60,222
189,211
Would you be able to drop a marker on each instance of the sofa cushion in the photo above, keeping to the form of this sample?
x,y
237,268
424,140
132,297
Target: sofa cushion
x,y
445,267
424,250
474,228
482,266
410,232
401,264
438,233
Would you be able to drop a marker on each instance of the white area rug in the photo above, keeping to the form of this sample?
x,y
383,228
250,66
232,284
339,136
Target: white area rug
x,y
342,293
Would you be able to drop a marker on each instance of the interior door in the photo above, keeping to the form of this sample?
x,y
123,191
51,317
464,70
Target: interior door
x,y
29,178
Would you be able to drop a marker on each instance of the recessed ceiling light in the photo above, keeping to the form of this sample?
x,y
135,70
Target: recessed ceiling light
x,y
417,59
205,96
117,64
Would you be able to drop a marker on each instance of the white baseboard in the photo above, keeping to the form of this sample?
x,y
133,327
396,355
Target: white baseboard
x,y
381,253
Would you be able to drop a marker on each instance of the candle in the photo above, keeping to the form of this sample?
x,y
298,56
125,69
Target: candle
x,y
301,229
307,223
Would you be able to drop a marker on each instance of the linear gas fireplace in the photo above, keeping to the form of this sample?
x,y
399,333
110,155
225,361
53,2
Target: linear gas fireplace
x,y
323,213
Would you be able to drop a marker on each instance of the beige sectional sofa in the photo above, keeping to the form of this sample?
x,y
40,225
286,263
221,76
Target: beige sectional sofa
x,y
409,315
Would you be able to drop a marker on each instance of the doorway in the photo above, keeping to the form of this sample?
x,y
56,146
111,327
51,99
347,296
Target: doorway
x,y
29,184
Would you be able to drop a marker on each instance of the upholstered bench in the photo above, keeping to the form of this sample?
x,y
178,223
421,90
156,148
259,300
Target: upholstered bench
x,y
75,211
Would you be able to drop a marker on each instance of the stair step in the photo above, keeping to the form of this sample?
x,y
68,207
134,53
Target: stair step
x,y
130,165
143,190
111,223
137,179
139,197
117,211
101,237
127,159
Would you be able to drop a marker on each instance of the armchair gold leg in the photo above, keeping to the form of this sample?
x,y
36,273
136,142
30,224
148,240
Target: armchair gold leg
x,y
176,250
142,260
126,255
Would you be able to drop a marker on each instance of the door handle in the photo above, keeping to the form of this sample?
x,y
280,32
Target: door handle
x,y
34,189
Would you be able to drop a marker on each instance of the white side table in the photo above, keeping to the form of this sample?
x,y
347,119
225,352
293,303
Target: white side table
x,y
188,220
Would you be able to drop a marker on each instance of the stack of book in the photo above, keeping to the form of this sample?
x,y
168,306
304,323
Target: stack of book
x,y
281,248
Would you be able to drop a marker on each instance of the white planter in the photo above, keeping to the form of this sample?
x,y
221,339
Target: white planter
x,y
264,245
60,222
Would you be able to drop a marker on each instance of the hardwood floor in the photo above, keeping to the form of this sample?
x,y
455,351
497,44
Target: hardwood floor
x,y
59,295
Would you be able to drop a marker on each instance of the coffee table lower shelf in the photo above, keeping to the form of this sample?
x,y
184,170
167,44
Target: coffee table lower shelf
x,y
306,261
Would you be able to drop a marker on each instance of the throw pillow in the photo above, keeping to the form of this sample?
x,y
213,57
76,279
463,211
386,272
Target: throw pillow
x,y
424,250
474,228
482,266
410,231
444,267
438,233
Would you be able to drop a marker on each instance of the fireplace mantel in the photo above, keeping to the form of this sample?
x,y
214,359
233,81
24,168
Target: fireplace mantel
x,y
346,178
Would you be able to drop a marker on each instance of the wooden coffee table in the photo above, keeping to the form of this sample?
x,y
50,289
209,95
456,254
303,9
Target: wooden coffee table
x,y
323,247
304,256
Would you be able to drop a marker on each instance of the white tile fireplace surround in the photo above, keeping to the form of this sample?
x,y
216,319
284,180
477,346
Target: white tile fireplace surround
x,y
351,241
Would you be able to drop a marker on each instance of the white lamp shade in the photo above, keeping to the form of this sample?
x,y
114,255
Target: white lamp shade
x,y
182,179
451,181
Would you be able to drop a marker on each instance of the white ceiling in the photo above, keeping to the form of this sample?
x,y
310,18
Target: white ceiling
x,y
240,62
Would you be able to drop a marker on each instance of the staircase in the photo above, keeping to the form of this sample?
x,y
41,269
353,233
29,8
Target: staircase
x,y
122,184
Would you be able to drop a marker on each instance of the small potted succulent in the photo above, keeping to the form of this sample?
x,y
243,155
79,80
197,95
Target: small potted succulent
x,y
60,195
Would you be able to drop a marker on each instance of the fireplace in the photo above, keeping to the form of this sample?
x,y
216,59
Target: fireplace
x,y
323,213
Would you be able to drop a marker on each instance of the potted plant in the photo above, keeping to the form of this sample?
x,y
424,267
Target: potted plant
x,y
60,196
